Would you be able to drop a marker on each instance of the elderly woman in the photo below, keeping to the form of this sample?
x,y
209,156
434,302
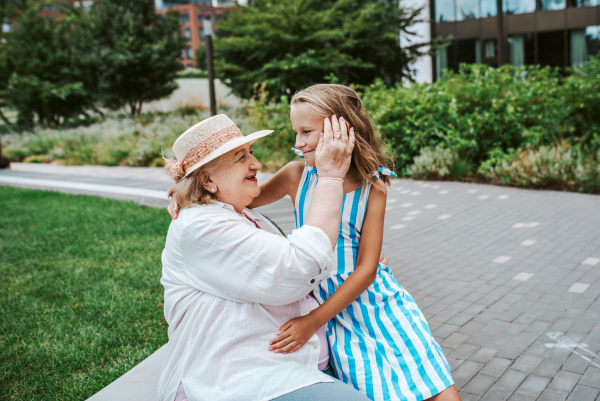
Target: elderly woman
x,y
231,279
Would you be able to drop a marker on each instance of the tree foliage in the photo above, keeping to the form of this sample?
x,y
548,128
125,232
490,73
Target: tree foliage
x,y
44,73
136,51
119,53
289,44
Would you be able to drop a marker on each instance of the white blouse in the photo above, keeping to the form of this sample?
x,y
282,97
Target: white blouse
x,y
229,286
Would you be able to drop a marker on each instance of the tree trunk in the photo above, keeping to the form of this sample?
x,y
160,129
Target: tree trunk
x,y
3,117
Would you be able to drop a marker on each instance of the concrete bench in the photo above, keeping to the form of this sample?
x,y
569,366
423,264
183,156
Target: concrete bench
x,y
139,384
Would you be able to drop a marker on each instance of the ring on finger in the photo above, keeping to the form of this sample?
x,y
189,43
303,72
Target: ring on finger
x,y
338,136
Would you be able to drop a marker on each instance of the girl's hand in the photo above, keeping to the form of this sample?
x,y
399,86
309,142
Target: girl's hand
x,y
173,209
382,259
294,334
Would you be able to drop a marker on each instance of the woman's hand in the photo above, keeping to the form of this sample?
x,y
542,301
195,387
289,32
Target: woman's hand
x,y
294,334
173,209
334,151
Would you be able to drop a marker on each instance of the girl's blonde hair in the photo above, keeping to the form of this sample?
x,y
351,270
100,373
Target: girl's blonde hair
x,y
329,99
190,190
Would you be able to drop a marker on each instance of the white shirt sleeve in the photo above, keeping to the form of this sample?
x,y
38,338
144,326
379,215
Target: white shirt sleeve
x,y
226,257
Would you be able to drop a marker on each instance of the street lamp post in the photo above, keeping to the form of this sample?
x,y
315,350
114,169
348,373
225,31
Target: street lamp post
x,y
208,34
500,32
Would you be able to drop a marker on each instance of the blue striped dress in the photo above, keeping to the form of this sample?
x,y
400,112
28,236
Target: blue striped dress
x,y
381,343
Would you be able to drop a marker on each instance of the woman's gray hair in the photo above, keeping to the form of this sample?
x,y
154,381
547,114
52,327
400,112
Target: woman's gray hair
x,y
190,190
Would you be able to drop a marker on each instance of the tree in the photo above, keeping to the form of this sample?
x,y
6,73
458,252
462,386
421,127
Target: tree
x,y
137,52
43,70
289,44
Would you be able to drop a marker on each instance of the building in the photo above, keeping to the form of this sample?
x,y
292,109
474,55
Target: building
x,y
193,13
422,31
556,33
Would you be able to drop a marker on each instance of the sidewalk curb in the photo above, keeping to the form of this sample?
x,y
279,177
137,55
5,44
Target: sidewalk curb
x,y
148,197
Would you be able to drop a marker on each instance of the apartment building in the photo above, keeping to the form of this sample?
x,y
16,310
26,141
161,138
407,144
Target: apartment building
x,y
193,13
556,33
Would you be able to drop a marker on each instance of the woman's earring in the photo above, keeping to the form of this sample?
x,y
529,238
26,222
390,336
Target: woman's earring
x,y
213,190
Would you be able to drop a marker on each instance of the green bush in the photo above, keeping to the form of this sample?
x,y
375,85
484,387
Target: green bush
x,y
482,110
551,167
115,141
439,163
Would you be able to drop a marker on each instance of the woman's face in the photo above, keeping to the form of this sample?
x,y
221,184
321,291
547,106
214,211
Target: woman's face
x,y
307,125
235,178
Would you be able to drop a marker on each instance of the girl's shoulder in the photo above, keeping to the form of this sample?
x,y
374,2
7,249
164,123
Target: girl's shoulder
x,y
377,197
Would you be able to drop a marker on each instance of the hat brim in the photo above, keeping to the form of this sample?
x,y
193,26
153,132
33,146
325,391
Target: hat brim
x,y
229,146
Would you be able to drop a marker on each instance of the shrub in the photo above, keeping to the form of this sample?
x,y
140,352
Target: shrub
x,y
115,141
481,110
439,163
551,167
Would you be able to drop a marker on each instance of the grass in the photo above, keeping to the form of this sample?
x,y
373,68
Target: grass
x,y
80,292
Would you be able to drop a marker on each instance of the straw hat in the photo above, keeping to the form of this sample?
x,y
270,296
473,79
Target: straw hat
x,y
204,142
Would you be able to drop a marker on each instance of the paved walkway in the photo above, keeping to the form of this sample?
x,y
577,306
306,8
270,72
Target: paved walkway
x,y
508,279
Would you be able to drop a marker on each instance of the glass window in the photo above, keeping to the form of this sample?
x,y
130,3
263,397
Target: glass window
x,y
578,47
187,33
185,18
444,11
488,8
442,61
201,33
585,43
592,34
189,52
551,4
519,6
478,51
551,48
582,3
467,9
516,45
521,49
190,67
489,48
467,52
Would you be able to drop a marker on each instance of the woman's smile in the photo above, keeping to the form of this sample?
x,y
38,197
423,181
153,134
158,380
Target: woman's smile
x,y
252,178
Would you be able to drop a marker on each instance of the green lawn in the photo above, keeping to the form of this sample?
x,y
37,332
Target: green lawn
x,y
80,294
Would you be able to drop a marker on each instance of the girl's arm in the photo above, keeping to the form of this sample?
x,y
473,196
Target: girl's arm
x,y
295,333
284,182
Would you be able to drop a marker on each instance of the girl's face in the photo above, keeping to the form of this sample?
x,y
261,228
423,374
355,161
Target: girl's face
x,y
307,125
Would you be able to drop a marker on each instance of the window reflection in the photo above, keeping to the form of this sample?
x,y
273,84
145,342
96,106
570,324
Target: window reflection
x,y
444,11
467,51
551,48
521,49
488,8
551,4
489,49
582,3
519,6
467,9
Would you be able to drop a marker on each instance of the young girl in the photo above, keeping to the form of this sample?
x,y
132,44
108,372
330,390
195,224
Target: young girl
x,y
379,340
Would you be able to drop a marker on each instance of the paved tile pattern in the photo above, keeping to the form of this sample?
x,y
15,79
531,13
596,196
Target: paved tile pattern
x,y
508,279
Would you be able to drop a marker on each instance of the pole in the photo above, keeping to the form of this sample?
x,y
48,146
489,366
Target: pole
x,y
208,34
500,32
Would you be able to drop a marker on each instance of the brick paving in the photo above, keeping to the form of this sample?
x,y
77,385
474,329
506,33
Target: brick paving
x,y
508,279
